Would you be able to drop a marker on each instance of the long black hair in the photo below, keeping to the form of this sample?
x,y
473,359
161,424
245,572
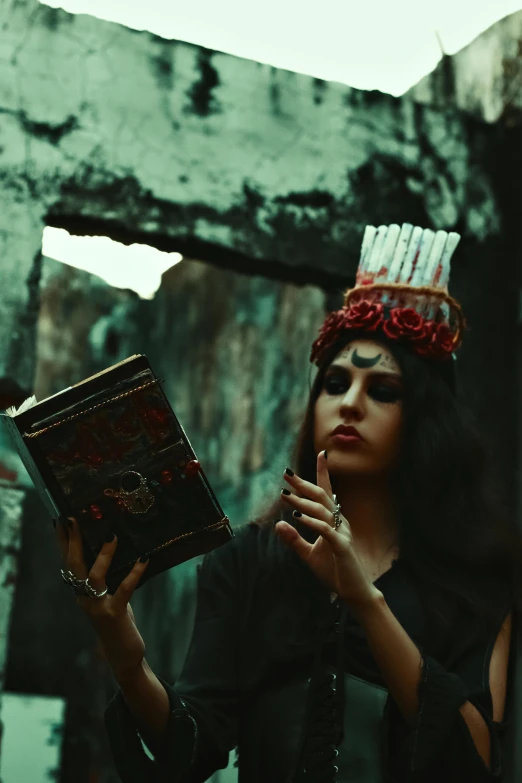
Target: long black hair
x,y
456,533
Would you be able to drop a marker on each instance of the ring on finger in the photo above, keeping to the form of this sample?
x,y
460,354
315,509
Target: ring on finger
x,y
90,592
81,586
77,585
337,512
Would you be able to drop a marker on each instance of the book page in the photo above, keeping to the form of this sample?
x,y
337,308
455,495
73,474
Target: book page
x,y
30,402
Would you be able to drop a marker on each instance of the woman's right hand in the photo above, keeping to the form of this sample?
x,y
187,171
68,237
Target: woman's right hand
x,y
111,616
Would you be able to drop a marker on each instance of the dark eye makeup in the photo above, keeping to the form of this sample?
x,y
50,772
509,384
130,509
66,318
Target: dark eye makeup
x,y
379,390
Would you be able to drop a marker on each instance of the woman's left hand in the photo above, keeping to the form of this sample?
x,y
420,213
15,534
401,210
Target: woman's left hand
x,y
332,557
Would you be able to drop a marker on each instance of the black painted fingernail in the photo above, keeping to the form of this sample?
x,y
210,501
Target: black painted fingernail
x,y
143,559
286,492
69,523
289,472
297,514
325,454
109,537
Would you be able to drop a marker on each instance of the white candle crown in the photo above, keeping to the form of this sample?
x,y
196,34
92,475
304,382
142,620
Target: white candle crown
x,y
409,255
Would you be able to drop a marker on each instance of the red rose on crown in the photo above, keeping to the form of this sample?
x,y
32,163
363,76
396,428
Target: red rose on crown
x,y
424,345
333,324
406,322
429,339
328,332
441,344
365,315
425,336
445,338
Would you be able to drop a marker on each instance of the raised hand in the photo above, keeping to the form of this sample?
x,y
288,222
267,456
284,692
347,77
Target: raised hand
x,y
332,557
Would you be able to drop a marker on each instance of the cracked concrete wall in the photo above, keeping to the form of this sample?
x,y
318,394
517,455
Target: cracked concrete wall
x,y
11,500
242,164
212,146
21,221
249,167
484,78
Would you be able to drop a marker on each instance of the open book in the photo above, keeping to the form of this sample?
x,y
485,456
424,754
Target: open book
x,y
110,452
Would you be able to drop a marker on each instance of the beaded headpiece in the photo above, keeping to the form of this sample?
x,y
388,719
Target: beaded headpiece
x,y
401,291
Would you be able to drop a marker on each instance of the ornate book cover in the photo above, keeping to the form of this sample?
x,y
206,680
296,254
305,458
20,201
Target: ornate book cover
x,y
110,452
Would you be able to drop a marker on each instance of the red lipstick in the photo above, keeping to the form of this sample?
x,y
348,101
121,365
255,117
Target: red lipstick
x,y
344,434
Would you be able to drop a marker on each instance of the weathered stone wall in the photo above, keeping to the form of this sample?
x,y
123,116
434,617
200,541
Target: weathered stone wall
x,y
21,222
11,500
252,168
484,78
105,129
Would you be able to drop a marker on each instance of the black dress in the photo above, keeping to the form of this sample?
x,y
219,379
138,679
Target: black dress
x,y
282,674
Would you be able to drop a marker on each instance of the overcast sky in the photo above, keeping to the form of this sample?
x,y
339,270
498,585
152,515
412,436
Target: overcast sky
x,y
370,44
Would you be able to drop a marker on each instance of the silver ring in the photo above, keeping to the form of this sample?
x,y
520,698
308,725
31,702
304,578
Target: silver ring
x,y
76,585
337,513
80,586
91,592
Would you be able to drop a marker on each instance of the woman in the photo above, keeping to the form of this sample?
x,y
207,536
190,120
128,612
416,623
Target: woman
x,y
366,635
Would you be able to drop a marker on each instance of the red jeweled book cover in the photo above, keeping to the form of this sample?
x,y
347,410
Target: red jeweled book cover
x,y
111,452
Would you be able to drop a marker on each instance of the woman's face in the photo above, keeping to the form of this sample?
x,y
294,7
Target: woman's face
x,y
362,388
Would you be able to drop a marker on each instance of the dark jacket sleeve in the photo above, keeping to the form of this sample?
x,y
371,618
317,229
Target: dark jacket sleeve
x,y
439,746
202,726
